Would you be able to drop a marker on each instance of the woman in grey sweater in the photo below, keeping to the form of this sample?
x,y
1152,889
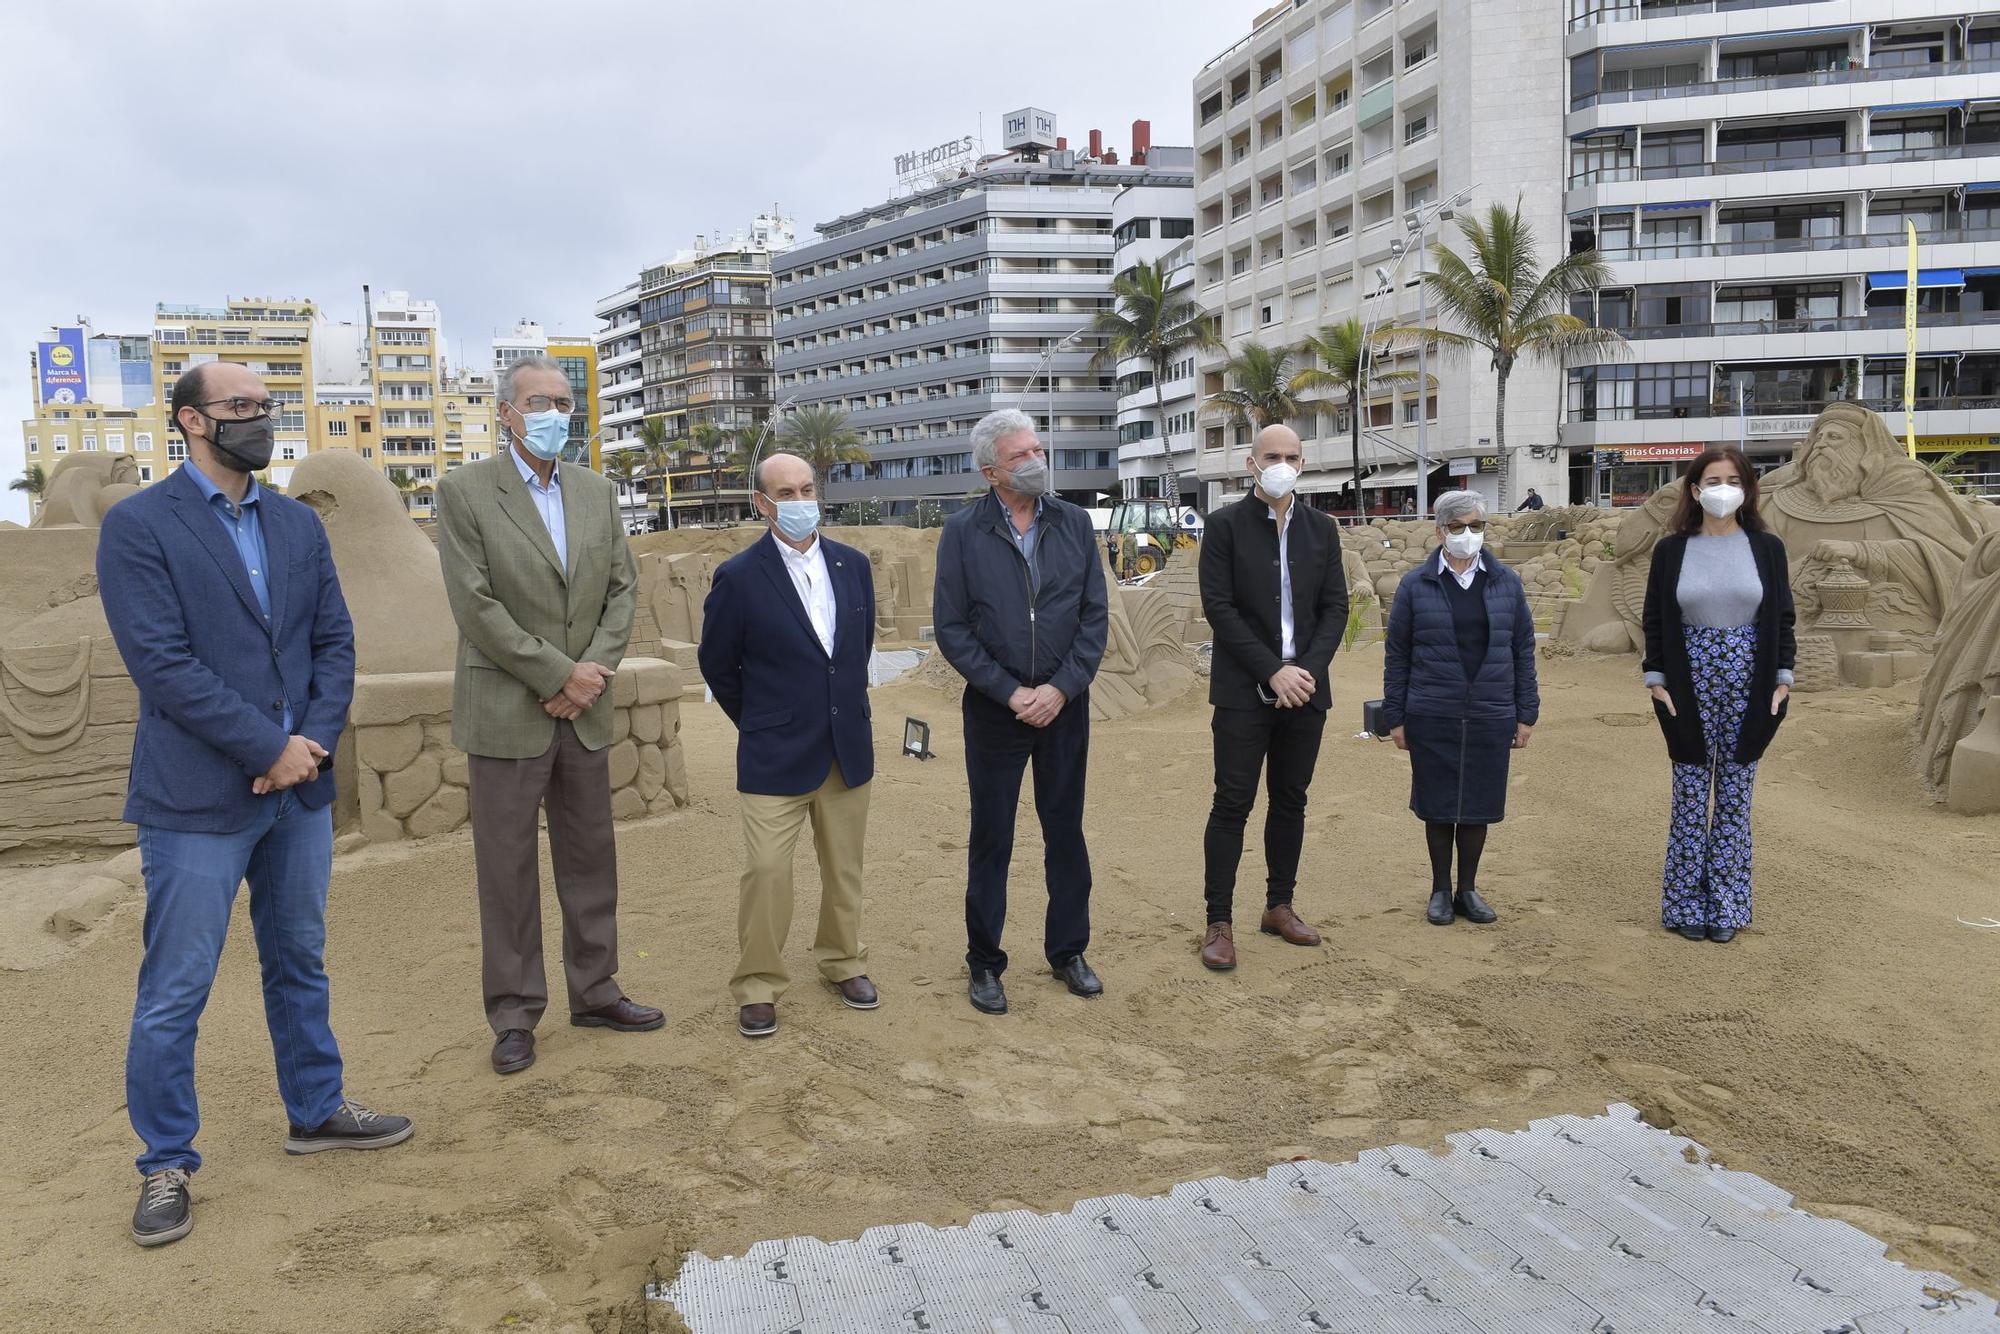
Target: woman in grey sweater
x,y
1719,657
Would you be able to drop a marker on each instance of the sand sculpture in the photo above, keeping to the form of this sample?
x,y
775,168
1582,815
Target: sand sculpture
x,y
1958,714
672,589
83,486
1876,542
388,569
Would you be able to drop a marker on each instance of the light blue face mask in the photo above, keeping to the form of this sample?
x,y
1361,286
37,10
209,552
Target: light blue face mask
x,y
547,433
797,519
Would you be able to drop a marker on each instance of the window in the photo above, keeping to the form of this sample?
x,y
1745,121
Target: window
x,y
1670,389
1670,305
336,428
142,441
1907,132
145,473
34,445
1791,301
1269,313
1416,128
1886,215
1772,143
90,444
1339,162
1174,229
177,450
1678,236
1602,157
1239,323
1672,152
114,441
60,443
1779,222
1792,60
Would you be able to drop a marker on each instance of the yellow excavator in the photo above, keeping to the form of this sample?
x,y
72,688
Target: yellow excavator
x,y
1143,532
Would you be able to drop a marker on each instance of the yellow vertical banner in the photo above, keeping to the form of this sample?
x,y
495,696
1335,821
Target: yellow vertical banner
x,y
1910,346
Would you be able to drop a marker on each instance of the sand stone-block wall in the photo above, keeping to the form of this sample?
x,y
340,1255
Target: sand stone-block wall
x,y
413,781
67,716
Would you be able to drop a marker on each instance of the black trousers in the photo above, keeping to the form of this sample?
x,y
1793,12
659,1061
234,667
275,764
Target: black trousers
x,y
998,748
1282,747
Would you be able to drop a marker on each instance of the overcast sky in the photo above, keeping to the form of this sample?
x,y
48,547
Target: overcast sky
x,y
503,159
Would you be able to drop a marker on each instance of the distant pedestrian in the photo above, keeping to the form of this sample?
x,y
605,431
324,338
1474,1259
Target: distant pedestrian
x,y
1022,613
1533,502
1461,695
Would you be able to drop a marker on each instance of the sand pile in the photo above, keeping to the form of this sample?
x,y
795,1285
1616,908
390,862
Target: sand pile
x,y
1846,1048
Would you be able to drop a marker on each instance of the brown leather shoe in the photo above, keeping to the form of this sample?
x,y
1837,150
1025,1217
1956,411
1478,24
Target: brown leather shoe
x,y
757,1021
858,993
624,1014
514,1051
1281,921
1218,947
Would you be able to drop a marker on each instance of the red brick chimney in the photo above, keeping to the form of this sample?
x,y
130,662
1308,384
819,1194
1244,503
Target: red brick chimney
x,y
1097,144
1062,142
1110,157
1142,141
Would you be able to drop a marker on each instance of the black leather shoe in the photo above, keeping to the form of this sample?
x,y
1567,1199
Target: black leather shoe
x,y
166,1209
757,1021
1076,975
1467,904
1439,913
988,996
1722,935
514,1051
1692,932
351,1126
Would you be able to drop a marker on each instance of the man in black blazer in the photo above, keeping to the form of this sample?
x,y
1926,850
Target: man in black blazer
x,y
1275,597
786,635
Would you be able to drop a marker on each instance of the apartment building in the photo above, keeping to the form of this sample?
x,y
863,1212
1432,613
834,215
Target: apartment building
x,y
578,359
1326,143
691,343
95,392
1751,171
970,291
1155,224
274,338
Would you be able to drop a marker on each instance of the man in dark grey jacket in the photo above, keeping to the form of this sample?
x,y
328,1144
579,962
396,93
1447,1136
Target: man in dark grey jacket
x,y
1021,610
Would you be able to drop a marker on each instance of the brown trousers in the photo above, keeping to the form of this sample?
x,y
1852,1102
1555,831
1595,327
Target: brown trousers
x,y
575,786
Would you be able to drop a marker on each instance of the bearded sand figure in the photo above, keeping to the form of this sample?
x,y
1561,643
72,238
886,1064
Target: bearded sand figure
x,y
1851,494
83,486
1965,673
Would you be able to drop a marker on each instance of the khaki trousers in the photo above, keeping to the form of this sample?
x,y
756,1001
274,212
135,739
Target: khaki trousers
x,y
574,784
771,828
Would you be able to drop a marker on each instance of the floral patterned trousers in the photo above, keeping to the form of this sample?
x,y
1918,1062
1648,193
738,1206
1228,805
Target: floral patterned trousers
x,y
1708,847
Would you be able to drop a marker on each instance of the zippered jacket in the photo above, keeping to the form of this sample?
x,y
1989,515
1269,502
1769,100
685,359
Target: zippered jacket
x,y
1003,627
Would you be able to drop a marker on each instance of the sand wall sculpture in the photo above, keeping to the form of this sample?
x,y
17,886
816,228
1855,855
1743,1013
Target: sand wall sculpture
x,y
1876,542
413,781
83,486
1958,714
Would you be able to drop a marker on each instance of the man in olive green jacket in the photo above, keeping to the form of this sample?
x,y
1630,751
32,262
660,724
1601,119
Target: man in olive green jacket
x,y
542,585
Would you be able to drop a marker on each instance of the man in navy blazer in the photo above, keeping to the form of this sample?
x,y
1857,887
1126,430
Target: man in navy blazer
x,y
786,635
223,599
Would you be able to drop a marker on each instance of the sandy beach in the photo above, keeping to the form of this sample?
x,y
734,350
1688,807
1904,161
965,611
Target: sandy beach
x,y
1847,1048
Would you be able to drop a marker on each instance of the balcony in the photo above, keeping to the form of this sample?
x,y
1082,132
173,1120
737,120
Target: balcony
x,y
1751,167
1799,245
1625,11
1376,105
1881,320
1773,82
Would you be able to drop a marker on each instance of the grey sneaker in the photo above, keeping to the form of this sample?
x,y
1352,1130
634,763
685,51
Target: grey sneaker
x,y
351,1126
166,1209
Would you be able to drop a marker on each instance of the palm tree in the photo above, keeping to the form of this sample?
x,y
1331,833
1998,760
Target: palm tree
x,y
1340,357
626,467
1504,301
659,458
725,450
1146,322
34,481
819,434
404,484
1262,392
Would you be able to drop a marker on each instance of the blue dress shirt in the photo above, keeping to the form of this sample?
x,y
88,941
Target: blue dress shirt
x,y
245,527
548,503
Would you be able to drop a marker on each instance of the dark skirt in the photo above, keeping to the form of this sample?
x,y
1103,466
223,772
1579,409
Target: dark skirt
x,y
1458,768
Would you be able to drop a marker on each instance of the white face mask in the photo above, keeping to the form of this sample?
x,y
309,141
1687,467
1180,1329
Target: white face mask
x,y
1278,480
1721,501
1464,545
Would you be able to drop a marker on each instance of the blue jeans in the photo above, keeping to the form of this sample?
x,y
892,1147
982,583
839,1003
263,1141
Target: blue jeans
x,y
191,880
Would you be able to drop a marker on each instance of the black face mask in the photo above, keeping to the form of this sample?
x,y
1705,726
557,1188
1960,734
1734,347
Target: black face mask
x,y
243,446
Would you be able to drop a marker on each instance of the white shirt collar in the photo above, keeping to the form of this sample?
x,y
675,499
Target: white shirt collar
x,y
813,554
528,473
1464,580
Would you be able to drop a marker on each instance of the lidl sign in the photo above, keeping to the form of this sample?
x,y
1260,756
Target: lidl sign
x,y
60,366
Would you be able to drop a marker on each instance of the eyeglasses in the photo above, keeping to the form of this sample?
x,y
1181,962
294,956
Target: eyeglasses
x,y
543,403
1466,526
242,409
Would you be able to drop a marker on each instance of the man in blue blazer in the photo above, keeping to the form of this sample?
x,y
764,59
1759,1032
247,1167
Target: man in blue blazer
x,y
224,603
786,636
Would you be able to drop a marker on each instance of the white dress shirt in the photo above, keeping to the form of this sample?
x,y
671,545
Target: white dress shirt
x,y
1464,580
815,585
548,503
1288,649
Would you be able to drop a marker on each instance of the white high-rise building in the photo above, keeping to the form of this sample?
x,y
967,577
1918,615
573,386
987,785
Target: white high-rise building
x,y
1154,223
1750,172
1326,144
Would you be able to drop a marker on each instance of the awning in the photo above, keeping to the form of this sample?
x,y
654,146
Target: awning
x,y
1796,32
1916,106
1654,46
1981,273
1313,483
1627,133
1884,282
1402,475
1676,208
1981,187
